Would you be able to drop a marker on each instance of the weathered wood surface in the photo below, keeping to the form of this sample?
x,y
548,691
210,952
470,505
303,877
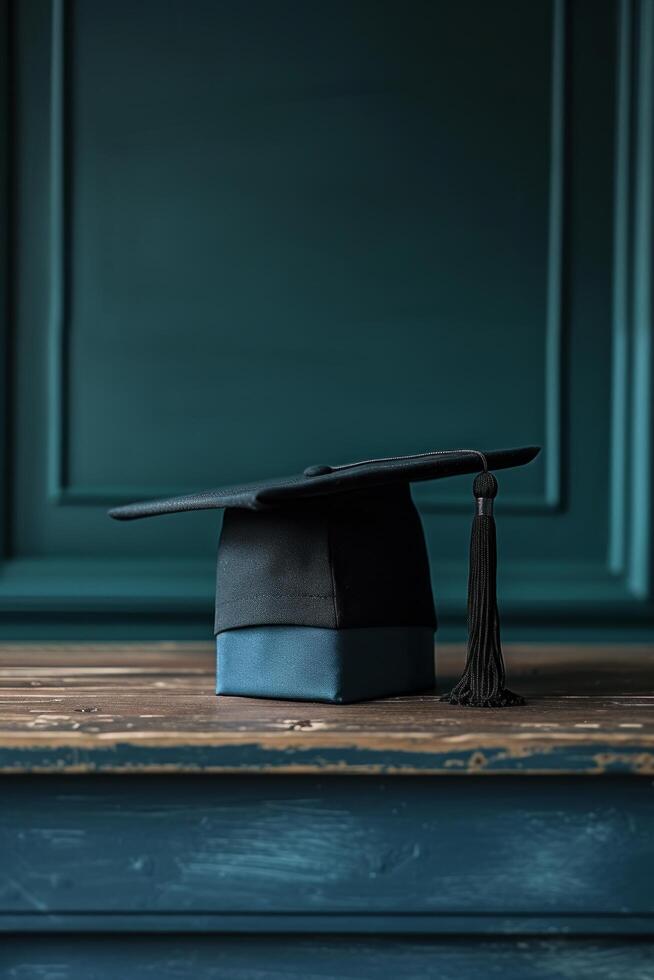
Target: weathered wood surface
x,y
439,854
122,707
275,958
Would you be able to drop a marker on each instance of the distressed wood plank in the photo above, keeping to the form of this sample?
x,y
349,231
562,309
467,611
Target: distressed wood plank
x,y
152,707
289,846
311,958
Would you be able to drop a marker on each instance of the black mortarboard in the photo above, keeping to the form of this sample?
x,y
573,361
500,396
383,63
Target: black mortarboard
x,y
323,589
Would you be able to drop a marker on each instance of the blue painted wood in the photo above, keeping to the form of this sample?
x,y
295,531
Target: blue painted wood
x,y
594,758
237,235
333,924
180,874
298,846
230,958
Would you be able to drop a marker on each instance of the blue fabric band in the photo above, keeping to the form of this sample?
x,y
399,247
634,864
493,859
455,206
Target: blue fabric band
x,y
301,663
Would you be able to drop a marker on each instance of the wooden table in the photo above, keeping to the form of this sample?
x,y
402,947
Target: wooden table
x,y
148,828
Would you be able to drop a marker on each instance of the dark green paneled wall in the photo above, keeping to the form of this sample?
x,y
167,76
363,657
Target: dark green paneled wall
x,y
246,237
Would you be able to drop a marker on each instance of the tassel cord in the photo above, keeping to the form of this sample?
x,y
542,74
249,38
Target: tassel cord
x,y
482,683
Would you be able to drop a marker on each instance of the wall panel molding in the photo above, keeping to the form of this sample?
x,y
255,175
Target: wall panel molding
x,y
629,554
173,596
60,489
6,267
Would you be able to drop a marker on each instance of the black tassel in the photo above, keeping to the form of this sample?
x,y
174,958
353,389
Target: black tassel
x,y
482,682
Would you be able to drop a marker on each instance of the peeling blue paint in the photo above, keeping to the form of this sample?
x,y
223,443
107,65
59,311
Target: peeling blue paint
x,y
593,758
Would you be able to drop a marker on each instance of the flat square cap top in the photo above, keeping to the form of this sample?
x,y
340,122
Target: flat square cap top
x,y
320,481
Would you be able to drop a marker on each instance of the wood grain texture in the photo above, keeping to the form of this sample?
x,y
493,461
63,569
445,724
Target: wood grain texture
x,y
151,707
312,958
309,853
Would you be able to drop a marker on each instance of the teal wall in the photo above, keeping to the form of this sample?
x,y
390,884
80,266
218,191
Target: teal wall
x,y
249,235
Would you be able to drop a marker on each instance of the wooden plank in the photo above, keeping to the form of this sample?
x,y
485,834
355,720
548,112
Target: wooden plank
x,y
234,958
396,923
151,707
288,846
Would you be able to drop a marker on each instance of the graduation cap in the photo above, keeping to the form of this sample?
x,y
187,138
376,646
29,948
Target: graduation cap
x,y
323,589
